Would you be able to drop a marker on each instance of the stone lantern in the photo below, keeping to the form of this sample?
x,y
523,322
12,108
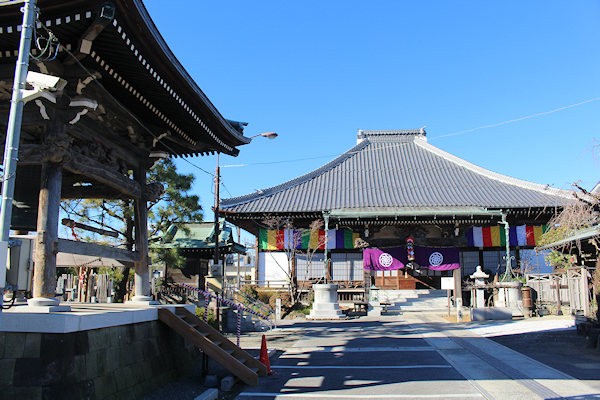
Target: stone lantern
x,y
479,277
374,294
374,308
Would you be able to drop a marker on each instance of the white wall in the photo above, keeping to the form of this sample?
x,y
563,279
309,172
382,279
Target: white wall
x,y
272,267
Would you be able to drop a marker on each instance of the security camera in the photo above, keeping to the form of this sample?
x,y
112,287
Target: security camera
x,y
43,81
42,84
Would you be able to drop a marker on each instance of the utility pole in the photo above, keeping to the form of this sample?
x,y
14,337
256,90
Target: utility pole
x,y
216,212
13,136
239,239
508,268
217,233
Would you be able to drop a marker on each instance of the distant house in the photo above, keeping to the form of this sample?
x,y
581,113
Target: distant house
x,y
196,242
392,186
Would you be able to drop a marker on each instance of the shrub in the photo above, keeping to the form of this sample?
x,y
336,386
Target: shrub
x,y
264,295
286,299
297,311
250,291
212,319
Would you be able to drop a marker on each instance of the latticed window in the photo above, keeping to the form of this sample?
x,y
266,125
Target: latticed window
x,y
469,261
308,268
347,266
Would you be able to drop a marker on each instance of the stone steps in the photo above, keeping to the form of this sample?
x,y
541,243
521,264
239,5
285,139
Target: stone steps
x,y
420,300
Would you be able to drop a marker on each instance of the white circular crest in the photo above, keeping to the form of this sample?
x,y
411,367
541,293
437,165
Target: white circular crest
x,y
436,259
385,260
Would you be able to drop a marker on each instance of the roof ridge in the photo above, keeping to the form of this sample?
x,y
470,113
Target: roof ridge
x,y
546,189
419,131
234,201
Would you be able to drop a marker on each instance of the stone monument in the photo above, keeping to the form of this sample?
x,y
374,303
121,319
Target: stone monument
x,y
325,305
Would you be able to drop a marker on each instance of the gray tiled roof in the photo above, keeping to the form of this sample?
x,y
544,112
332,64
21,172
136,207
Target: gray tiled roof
x,y
395,170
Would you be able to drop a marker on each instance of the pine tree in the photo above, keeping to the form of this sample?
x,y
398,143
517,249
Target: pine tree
x,y
174,206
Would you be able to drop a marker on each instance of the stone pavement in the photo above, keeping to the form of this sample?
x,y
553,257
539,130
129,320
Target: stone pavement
x,y
410,356
417,356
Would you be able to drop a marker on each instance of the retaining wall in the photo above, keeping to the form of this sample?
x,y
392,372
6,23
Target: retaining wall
x,y
119,362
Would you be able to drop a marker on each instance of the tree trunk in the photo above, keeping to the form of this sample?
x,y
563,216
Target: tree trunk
x,y
121,285
295,297
596,287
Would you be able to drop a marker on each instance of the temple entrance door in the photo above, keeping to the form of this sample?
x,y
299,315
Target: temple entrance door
x,y
386,279
394,280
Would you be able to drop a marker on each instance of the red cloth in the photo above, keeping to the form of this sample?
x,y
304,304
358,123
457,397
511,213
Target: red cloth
x,y
487,236
322,239
530,234
280,239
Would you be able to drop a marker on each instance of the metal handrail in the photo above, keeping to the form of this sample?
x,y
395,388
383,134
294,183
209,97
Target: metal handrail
x,y
252,301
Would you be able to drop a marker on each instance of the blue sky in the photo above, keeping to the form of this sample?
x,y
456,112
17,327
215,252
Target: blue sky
x,y
317,71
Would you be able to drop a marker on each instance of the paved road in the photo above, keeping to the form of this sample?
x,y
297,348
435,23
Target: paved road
x,y
417,357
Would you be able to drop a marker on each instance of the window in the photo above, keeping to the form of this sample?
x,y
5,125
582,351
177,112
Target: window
x,y
347,267
469,260
494,262
307,269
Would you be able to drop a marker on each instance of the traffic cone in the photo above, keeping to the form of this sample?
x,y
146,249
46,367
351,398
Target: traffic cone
x,y
264,355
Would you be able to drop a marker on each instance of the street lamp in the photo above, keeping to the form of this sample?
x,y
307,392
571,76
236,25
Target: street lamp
x,y
268,135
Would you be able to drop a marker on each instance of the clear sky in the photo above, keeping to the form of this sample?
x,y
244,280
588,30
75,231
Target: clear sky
x,y
317,71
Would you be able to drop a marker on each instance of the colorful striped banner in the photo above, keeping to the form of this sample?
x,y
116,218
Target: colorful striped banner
x,y
495,236
302,239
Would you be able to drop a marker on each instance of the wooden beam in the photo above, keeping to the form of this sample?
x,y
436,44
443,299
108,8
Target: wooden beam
x,y
105,16
113,184
30,154
91,192
96,250
72,224
107,125
86,166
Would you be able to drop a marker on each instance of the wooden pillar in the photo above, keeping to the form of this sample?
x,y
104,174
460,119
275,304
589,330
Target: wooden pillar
x,y
46,244
256,266
584,292
457,275
142,275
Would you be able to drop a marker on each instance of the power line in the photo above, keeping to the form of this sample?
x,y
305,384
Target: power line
x,y
457,133
510,121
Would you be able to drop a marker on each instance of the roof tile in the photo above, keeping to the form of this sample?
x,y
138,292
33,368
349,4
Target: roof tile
x,y
397,169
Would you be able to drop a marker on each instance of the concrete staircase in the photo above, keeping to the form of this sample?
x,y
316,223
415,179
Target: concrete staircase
x,y
419,300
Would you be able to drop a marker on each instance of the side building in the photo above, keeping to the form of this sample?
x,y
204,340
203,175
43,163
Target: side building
x,y
397,193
